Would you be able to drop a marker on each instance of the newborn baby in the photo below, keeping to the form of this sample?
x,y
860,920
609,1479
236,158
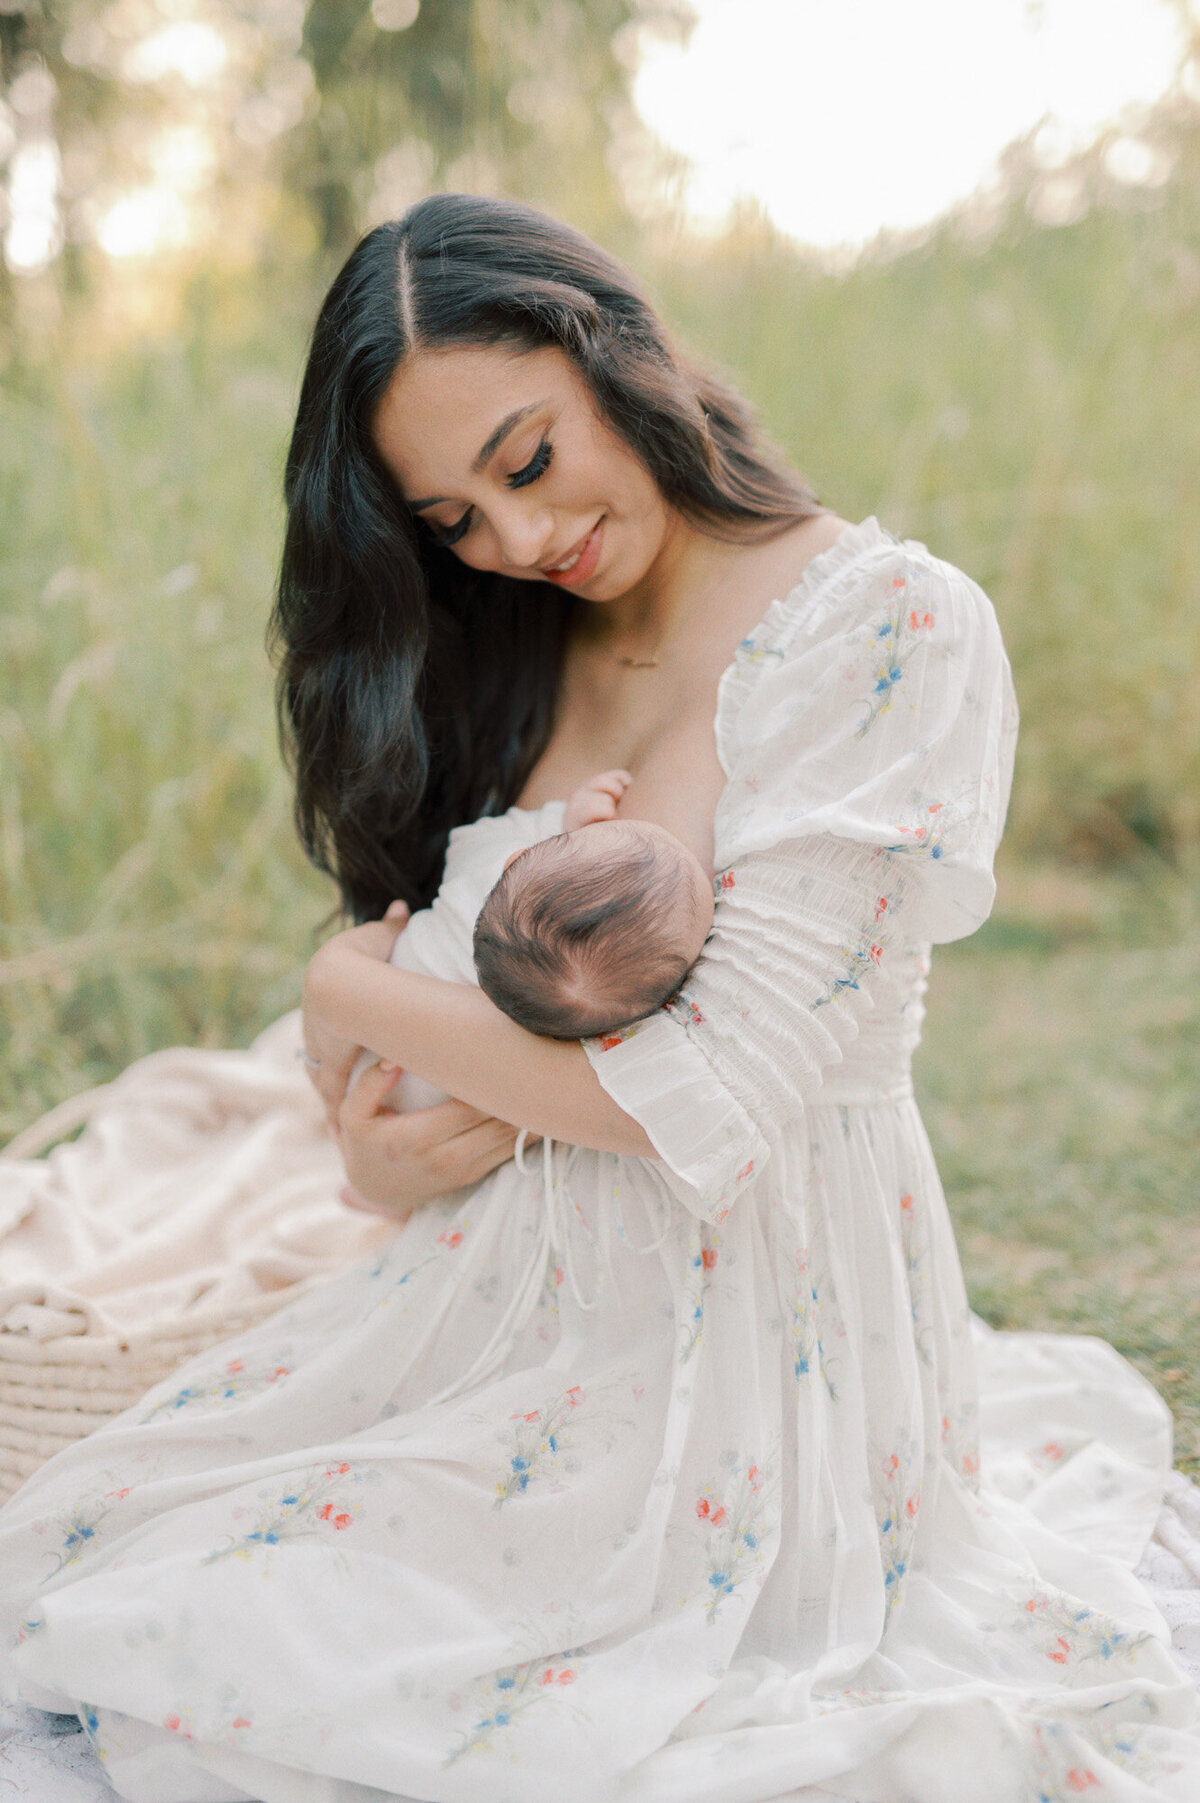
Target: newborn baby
x,y
573,922
588,931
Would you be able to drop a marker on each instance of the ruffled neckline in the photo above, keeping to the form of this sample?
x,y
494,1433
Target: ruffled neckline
x,y
768,641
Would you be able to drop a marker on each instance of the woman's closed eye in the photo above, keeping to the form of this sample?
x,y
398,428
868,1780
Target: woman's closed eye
x,y
537,466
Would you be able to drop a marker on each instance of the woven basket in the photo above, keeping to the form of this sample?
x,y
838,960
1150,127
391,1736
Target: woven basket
x,y
54,1391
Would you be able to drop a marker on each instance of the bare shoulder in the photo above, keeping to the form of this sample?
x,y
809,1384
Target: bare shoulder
x,y
807,539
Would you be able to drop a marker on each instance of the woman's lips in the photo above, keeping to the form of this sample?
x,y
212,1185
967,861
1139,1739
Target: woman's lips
x,y
585,561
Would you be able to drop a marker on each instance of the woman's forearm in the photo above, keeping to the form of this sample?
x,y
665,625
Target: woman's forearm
x,y
454,1037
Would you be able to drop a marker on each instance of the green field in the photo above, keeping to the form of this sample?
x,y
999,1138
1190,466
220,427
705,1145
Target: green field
x,y
1028,404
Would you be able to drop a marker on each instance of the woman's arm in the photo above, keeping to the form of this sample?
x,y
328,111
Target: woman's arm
x,y
454,1037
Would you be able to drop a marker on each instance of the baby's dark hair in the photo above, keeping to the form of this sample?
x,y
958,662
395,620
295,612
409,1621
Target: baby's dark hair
x,y
571,950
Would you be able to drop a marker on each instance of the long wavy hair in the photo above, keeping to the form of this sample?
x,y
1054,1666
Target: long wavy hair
x,y
415,693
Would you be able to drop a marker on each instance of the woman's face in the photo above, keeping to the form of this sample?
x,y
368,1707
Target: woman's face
x,y
502,455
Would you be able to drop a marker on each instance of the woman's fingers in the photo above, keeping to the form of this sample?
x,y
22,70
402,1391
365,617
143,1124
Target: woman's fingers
x,y
364,1099
395,1162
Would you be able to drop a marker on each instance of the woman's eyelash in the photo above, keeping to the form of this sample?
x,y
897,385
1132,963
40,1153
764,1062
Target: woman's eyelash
x,y
537,466
450,535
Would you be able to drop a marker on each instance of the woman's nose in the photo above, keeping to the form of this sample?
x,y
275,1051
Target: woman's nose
x,y
523,536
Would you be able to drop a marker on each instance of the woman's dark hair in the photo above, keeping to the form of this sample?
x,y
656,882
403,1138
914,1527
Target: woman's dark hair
x,y
415,693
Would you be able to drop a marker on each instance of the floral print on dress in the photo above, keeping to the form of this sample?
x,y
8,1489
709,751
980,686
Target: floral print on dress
x,y
1074,1637
905,626
234,1382
866,952
447,1242
898,1505
318,1505
506,1695
804,1313
736,1519
76,1527
703,1258
534,1442
1065,1760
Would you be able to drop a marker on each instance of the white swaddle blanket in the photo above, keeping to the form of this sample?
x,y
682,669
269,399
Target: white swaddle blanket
x,y
437,941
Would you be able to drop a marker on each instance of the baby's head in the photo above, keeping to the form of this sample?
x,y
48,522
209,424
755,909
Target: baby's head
x,y
589,931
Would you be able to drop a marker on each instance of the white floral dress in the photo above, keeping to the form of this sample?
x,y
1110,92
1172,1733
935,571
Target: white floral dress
x,y
660,1481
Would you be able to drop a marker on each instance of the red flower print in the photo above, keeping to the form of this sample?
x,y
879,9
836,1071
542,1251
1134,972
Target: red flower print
x,y
744,1173
234,1366
450,1239
1082,1780
1061,1651
945,1418
702,1508
717,1517
241,1721
881,907
1052,1450
119,1494
567,1677
906,1203
609,1041
727,880
281,1371
574,1396
898,581
753,1478
708,1257
935,807
171,1722
891,1465
917,621
558,1273
337,1470
876,953
911,1507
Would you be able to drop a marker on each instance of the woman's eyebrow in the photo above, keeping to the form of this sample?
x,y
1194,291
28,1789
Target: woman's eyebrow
x,y
493,444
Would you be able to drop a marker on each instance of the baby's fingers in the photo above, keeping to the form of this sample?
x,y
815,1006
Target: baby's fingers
x,y
612,782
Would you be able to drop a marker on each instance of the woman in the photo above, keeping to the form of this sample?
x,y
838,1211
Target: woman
x,y
650,1472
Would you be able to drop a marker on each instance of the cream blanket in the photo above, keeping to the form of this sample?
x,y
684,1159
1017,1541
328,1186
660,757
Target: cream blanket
x,y
202,1195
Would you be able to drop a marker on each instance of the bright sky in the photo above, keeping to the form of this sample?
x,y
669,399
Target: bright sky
x,y
845,116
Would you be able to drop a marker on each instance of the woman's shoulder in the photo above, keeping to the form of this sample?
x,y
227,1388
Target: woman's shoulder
x,y
879,685
861,608
867,572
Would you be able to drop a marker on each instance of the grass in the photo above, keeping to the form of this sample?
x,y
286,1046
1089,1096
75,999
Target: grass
x,y
1059,1082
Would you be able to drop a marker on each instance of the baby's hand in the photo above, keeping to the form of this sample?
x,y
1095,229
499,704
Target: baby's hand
x,y
596,799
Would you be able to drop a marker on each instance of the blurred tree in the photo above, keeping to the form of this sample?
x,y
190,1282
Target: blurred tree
x,y
151,126
516,95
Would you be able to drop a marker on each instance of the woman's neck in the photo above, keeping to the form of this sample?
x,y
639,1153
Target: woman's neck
x,y
688,567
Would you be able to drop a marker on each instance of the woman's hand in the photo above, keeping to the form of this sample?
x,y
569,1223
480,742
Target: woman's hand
x,y
329,1057
397,1162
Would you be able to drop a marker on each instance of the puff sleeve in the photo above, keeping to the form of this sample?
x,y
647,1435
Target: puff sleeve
x,y
867,732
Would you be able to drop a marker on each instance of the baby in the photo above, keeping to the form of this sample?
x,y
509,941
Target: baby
x,y
589,930
572,921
